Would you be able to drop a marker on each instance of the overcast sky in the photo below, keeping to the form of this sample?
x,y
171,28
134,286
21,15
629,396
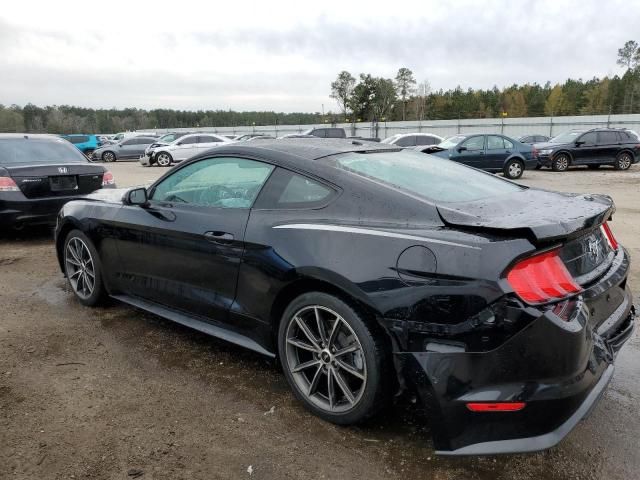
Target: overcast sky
x,y
283,55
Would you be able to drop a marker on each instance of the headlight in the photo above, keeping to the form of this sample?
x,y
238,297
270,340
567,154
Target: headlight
x,y
545,152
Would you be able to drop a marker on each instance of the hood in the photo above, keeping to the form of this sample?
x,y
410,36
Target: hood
x,y
545,216
539,146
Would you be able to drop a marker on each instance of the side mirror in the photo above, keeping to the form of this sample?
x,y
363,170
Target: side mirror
x,y
137,196
462,149
579,142
179,143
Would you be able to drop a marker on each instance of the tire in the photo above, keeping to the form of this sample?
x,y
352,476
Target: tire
x,y
164,159
81,262
513,169
361,369
108,156
623,161
593,166
561,163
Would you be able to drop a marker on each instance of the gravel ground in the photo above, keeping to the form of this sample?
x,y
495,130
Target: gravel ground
x,y
115,393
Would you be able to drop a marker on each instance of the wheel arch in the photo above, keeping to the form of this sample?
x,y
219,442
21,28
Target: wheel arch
x,y
514,156
68,224
627,150
349,294
567,152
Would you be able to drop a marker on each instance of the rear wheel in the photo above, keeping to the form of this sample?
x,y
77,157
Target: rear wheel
x,y
108,157
164,159
334,362
513,169
561,163
623,161
594,166
83,268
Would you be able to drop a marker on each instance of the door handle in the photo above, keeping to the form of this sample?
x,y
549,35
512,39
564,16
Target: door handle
x,y
219,237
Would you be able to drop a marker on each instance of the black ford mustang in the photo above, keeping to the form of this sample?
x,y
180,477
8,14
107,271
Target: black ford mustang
x,y
39,174
367,269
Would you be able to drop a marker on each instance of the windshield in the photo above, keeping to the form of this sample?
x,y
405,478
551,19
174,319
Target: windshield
x,y
169,137
566,137
390,139
428,176
451,141
38,151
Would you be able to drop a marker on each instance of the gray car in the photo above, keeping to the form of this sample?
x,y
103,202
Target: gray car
x,y
132,147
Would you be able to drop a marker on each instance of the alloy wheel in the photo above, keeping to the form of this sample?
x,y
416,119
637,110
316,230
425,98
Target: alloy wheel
x,y
164,160
108,157
562,163
80,268
624,161
325,359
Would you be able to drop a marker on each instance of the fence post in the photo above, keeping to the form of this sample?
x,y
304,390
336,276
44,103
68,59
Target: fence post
x,y
551,126
609,118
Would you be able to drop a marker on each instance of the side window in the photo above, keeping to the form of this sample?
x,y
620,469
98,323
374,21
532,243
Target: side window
x,y
131,141
474,143
588,138
424,140
207,139
288,190
321,133
224,182
494,143
507,143
188,140
408,141
607,138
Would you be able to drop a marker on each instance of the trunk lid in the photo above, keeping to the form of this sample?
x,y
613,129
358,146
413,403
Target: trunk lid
x,y
56,180
542,216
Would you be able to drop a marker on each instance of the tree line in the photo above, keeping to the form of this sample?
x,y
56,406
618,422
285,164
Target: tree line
x,y
367,98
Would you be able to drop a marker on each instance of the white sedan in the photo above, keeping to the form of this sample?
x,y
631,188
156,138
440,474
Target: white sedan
x,y
182,149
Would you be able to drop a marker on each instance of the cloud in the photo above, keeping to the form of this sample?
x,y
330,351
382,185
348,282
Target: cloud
x,y
266,56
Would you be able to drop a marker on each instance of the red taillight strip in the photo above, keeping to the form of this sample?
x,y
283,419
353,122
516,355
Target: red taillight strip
x,y
496,406
107,178
7,184
542,278
609,234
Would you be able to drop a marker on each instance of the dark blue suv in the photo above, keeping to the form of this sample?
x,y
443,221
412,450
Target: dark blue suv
x,y
490,152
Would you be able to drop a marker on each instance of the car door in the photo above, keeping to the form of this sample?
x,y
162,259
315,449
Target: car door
x,y
586,149
206,142
470,151
496,153
183,249
138,148
185,148
608,146
126,148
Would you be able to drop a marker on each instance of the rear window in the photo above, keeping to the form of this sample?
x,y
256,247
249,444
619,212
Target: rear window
x,y
433,178
38,151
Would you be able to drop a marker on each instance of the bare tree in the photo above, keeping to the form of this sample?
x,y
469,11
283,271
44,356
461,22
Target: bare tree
x,y
424,89
341,90
405,85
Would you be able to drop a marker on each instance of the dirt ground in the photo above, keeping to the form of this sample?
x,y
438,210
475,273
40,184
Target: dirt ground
x,y
114,393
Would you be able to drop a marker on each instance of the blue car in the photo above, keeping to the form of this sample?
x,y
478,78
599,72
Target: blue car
x,y
85,143
493,153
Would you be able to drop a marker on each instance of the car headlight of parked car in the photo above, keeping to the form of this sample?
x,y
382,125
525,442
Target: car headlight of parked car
x,y
545,152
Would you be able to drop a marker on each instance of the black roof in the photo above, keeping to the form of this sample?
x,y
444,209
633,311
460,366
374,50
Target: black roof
x,y
311,148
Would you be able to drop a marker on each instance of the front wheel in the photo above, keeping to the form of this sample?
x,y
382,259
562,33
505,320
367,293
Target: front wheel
x,y
108,157
335,363
560,163
83,268
513,169
164,159
623,161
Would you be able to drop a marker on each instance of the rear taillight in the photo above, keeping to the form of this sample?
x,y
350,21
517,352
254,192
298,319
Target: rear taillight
x,y
606,229
107,179
542,278
8,185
